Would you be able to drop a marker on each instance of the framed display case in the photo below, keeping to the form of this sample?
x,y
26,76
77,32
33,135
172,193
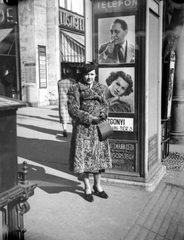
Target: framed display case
x,y
114,39
126,43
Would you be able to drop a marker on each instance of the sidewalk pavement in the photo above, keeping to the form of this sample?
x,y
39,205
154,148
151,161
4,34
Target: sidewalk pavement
x,y
58,208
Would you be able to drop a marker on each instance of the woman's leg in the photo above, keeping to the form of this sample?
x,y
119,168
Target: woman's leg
x,y
97,186
88,194
97,181
86,183
64,125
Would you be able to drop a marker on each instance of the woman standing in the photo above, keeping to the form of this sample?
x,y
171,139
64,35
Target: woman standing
x,y
88,107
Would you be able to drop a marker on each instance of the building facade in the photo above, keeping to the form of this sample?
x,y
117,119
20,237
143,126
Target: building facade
x,y
38,38
9,45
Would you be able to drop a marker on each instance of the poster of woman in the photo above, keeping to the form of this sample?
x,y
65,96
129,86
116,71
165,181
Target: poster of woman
x,y
120,92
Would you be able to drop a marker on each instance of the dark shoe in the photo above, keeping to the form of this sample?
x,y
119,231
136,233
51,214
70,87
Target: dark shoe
x,y
89,197
64,133
101,194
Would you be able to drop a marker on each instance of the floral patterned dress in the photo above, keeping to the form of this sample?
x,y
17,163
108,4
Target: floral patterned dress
x,y
87,153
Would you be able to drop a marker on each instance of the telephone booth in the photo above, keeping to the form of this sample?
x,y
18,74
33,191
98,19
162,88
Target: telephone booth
x,y
14,189
134,83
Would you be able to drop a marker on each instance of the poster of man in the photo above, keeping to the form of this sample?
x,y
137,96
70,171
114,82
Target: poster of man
x,y
120,90
116,40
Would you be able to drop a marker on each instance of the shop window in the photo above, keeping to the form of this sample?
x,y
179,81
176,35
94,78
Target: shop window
x,y
76,6
9,51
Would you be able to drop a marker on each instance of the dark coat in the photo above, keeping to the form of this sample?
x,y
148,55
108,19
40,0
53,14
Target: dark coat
x,y
87,153
7,81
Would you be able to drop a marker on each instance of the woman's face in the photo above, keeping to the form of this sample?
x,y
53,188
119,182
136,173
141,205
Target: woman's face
x,y
89,77
118,87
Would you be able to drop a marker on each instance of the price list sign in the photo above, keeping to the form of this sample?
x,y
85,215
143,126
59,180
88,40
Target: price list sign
x,y
123,155
42,67
30,72
43,73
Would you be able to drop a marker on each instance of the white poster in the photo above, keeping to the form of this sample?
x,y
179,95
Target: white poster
x,y
122,124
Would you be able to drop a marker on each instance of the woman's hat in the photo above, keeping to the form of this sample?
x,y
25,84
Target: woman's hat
x,y
88,67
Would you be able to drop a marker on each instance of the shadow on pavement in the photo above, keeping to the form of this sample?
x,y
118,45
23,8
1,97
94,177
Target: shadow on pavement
x,y
50,153
50,183
43,130
54,116
55,109
41,118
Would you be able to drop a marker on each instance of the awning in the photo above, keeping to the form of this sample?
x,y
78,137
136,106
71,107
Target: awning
x,y
4,33
7,41
72,47
76,37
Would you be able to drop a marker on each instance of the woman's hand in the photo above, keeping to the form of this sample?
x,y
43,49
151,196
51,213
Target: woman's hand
x,y
96,120
103,116
113,100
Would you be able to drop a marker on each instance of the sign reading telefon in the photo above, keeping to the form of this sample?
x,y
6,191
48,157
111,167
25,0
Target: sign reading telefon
x,y
113,6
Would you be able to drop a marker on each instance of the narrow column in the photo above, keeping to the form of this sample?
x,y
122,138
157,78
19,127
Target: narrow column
x,y
177,114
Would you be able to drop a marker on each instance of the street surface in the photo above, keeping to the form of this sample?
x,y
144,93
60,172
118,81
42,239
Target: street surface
x,y
58,208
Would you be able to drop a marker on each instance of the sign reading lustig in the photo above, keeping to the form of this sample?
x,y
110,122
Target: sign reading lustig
x,y
114,6
71,20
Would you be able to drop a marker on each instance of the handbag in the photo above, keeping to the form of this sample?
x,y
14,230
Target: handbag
x,y
104,130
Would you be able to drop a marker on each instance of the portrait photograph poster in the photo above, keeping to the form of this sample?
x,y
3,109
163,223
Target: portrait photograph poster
x,y
104,73
104,25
